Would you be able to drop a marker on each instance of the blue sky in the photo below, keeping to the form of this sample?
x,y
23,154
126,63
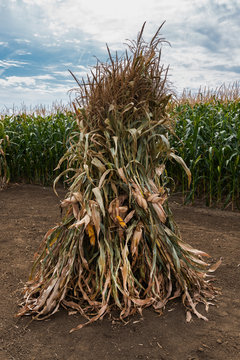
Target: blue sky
x,y
41,39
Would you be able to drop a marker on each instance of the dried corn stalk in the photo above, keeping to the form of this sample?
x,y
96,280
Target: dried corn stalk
x,y
117,244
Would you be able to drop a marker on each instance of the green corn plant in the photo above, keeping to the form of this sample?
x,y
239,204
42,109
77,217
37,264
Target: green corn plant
x,y
36,145
4,169
208,140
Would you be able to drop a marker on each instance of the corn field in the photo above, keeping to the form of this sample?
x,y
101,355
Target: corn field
x,y
32,146
207,136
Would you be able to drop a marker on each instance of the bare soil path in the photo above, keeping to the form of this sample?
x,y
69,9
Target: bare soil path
x,y
28,211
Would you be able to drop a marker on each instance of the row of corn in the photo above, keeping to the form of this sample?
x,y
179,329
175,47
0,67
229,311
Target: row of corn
x,y
31,146
207,138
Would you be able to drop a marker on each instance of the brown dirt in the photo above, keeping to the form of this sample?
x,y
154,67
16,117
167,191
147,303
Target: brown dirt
x,y
28,211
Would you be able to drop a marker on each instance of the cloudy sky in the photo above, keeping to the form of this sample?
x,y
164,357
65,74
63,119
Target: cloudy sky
x,y
41,39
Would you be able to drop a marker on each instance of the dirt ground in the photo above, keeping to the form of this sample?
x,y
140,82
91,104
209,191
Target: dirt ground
x,y
28,211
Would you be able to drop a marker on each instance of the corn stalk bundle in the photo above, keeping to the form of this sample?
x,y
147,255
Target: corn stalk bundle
x,y
117,244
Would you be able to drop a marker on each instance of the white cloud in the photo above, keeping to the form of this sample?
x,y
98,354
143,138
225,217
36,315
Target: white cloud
x,y
63,74
10,81
16,80
78,74
12,63
23,97
22,41
30,92
22,52
43,77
